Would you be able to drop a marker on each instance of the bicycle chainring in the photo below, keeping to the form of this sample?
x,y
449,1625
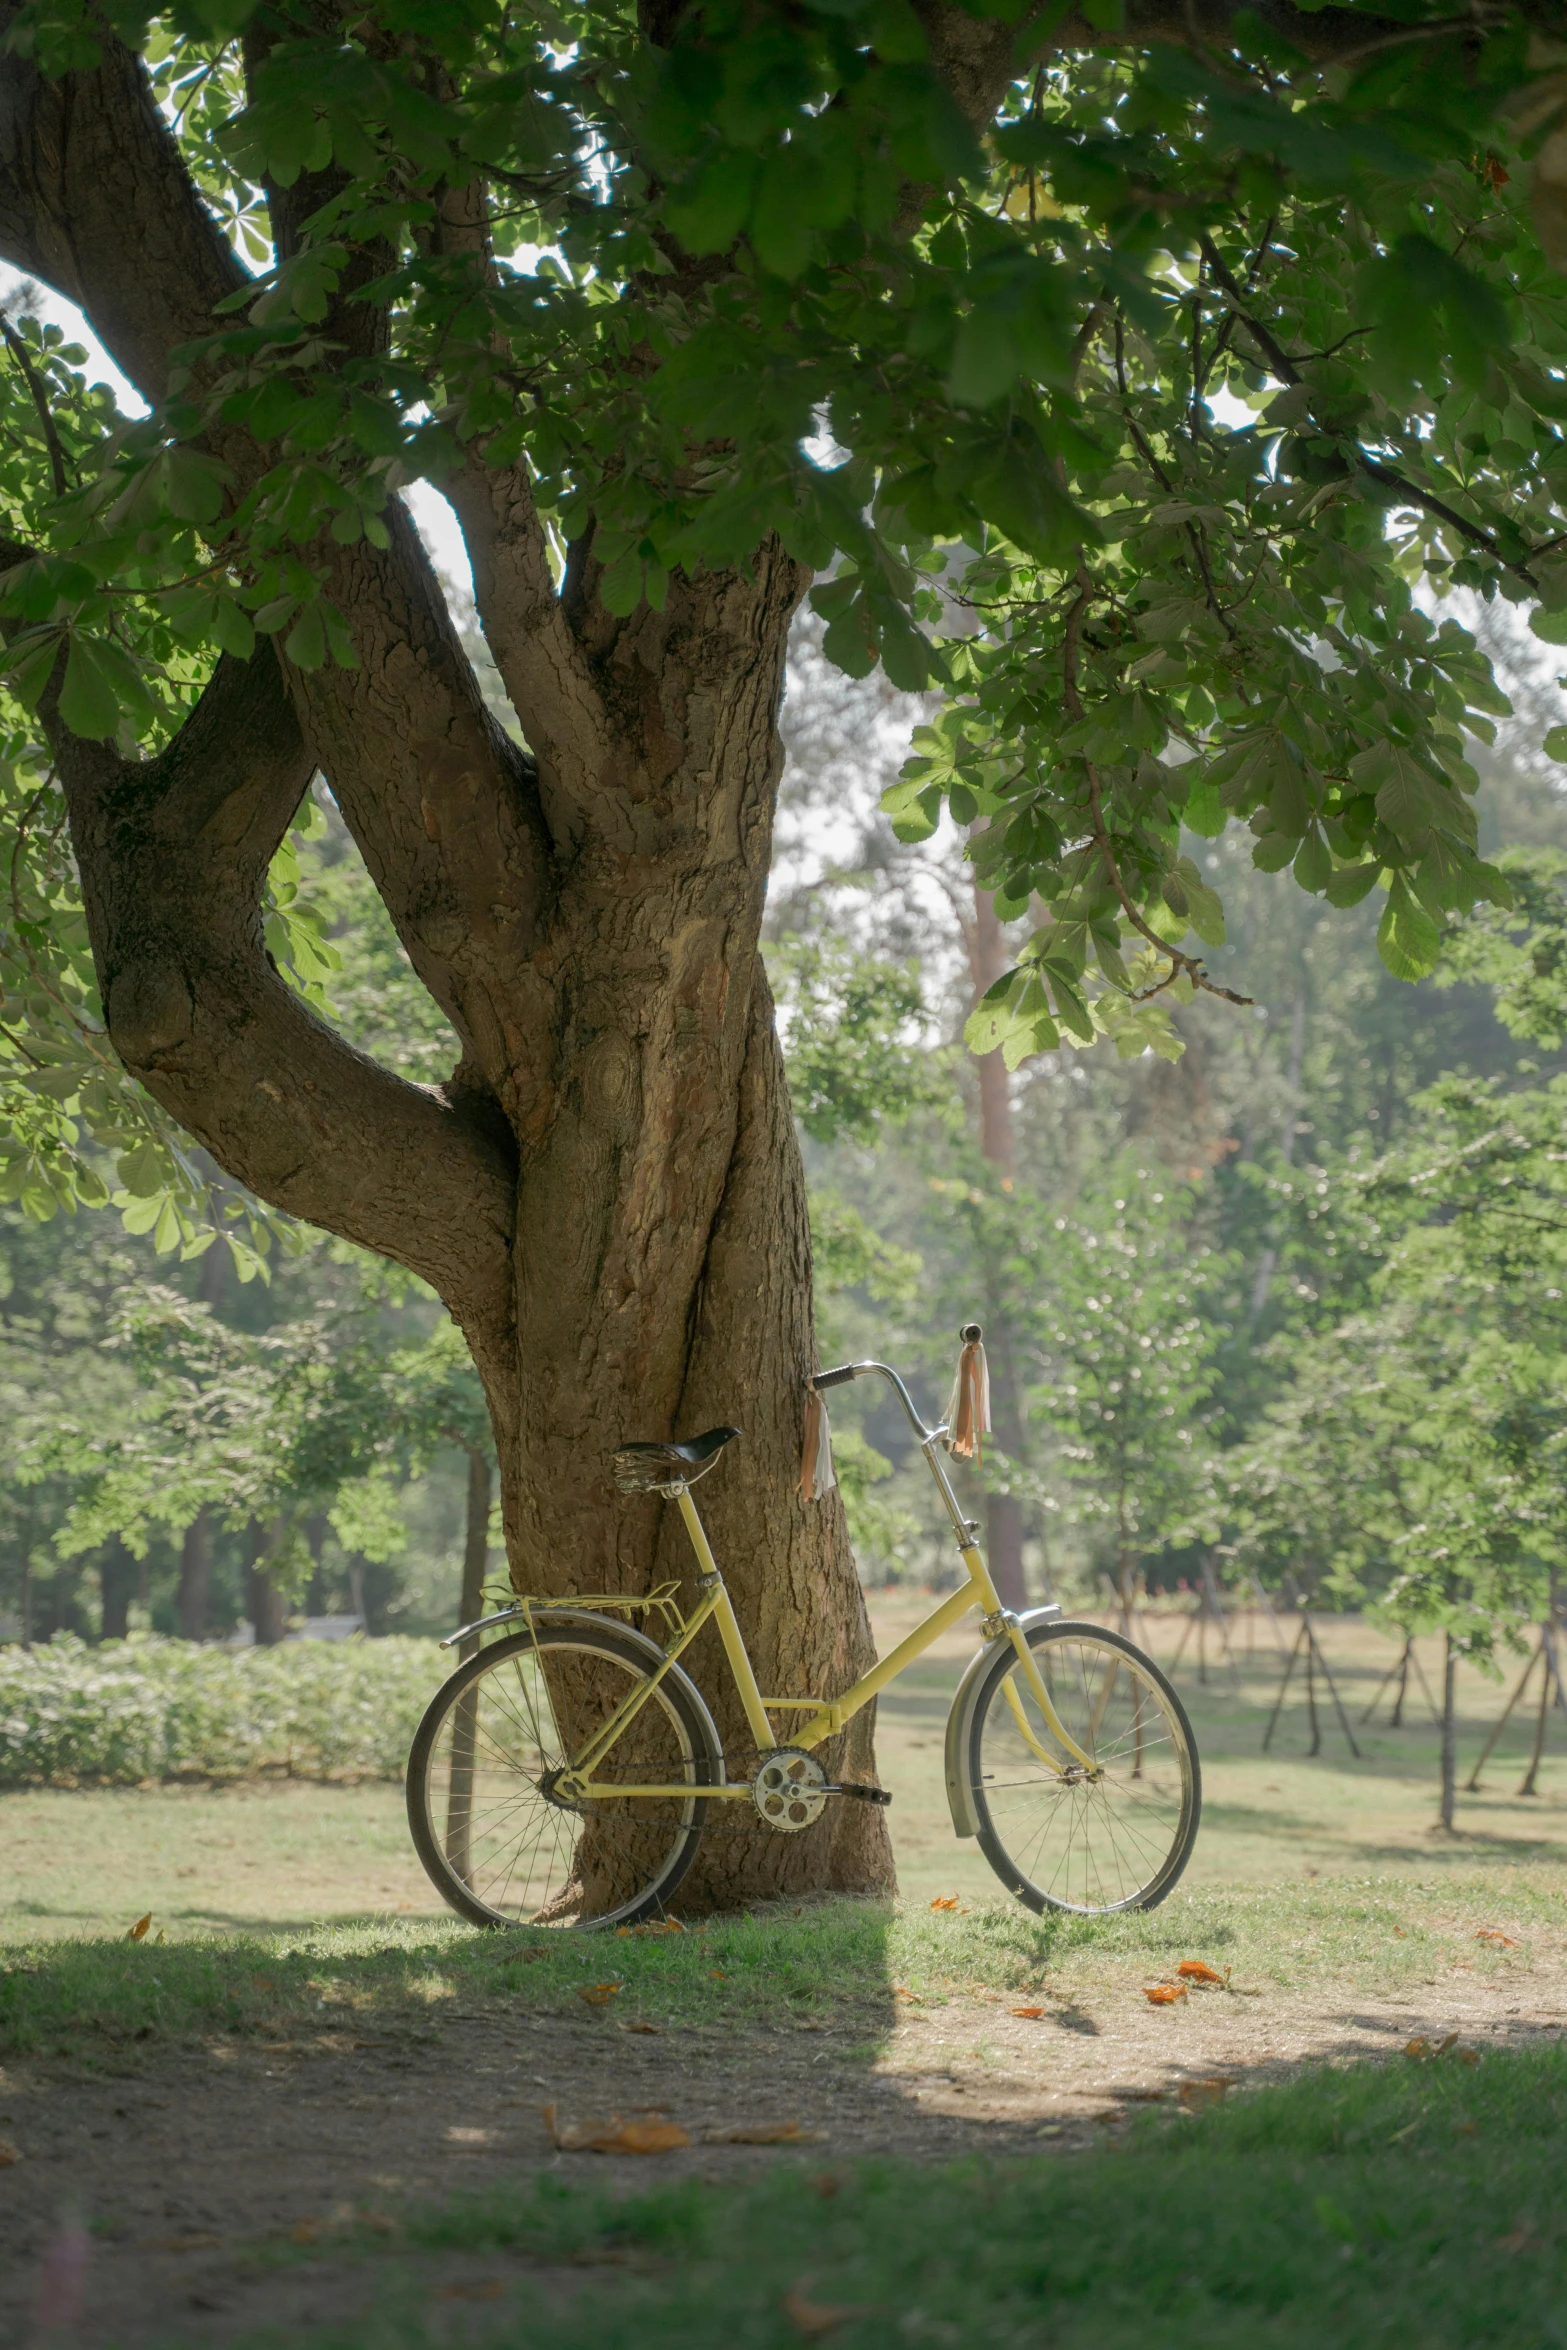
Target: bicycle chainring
x,y
789,1790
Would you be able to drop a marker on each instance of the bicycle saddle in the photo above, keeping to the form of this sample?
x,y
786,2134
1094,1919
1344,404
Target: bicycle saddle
x,y
643,1468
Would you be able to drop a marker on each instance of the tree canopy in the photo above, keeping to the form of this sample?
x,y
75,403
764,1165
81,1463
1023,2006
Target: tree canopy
x,y
1132,373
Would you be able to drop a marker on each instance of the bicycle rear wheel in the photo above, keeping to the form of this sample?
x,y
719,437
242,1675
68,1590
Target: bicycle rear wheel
x,y
1091,1844
497,1842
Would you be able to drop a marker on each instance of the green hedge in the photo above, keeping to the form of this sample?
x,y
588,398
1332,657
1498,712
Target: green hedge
x,y
147,1708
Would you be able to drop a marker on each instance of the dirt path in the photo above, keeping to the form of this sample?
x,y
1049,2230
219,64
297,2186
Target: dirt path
x,y
202,2170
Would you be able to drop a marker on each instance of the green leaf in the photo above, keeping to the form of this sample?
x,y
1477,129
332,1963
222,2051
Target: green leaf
x,y
781,234
1204,910
904,653
90,698
1313,863
1350,884
305,643
1555,743
709,212
194,484
1408,940
233,628
1204,812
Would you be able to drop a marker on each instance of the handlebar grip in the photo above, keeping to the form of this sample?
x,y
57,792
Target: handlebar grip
x,y
833,1378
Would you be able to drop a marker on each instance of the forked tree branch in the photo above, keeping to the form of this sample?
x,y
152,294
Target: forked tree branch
x,y
95,198
539,657
173,854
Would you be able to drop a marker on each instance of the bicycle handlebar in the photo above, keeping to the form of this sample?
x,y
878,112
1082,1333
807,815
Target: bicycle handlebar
x,y
845,1371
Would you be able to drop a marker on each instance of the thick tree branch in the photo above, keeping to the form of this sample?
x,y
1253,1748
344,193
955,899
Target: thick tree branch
x,y
173,854
538,656
95,200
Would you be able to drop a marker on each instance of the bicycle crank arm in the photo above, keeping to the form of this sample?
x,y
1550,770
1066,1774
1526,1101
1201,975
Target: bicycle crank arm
x,y
881,1795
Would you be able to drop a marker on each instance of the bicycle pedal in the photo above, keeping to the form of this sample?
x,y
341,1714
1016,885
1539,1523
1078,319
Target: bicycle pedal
x,y
881,1795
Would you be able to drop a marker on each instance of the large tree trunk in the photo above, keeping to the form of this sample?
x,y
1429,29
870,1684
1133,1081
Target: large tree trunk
x,y
607,1193
117,1581
195,1577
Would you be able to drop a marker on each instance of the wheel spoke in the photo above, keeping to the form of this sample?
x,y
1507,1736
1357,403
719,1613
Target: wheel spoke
x,y
524,1857
1099,1841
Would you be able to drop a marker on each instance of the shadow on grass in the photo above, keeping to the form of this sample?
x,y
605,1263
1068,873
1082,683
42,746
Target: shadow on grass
x,y
1420,2203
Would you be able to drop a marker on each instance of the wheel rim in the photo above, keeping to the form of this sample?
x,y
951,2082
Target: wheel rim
x,y
514,1849
1082,1843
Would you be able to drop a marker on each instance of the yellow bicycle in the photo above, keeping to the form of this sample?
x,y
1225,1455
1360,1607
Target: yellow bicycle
x,y
565,1773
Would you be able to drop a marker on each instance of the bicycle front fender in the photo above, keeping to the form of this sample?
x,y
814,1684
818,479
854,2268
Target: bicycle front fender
x,y
960,1720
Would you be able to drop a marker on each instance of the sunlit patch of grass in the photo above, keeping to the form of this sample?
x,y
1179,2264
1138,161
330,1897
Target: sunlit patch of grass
x,y
808,1958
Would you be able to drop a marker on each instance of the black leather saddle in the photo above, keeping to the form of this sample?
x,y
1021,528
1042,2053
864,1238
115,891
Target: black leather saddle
x,y
645,1468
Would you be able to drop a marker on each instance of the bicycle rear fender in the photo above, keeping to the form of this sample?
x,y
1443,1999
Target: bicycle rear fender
x,y
959,1722
591,1620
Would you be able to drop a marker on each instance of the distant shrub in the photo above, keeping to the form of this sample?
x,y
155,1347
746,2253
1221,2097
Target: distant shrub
x,y
147,1708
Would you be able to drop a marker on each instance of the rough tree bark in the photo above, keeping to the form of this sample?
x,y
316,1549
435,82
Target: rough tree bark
x,y
195,1577
117,1582
607,1194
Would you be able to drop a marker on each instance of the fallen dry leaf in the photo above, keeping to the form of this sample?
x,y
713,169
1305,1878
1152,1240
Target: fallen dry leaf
x,y
138,1932
1194,1970
646,2133
8,2154
597,1994
718,1974
305,2231
763,2134
1467,2055
1033,2013
1490,1934
1195,2093
653,2029
1420,2048
902,1991
653,1926
1519,2241
948,1901
814,2319
1163,1994
262,1983
826,2184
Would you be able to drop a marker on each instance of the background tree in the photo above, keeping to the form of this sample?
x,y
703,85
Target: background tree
x,y
1010,269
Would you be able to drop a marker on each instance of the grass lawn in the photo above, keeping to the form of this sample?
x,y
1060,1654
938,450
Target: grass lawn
x,y
1420,2204
284,1856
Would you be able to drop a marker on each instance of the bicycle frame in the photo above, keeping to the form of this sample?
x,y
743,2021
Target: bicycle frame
x,y
826,1716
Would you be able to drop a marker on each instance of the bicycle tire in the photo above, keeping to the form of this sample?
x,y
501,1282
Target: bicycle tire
x,y
1126,1842
532,1854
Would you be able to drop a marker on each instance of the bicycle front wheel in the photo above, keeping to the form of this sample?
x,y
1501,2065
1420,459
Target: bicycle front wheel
x,y
1057,1835
497,1841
